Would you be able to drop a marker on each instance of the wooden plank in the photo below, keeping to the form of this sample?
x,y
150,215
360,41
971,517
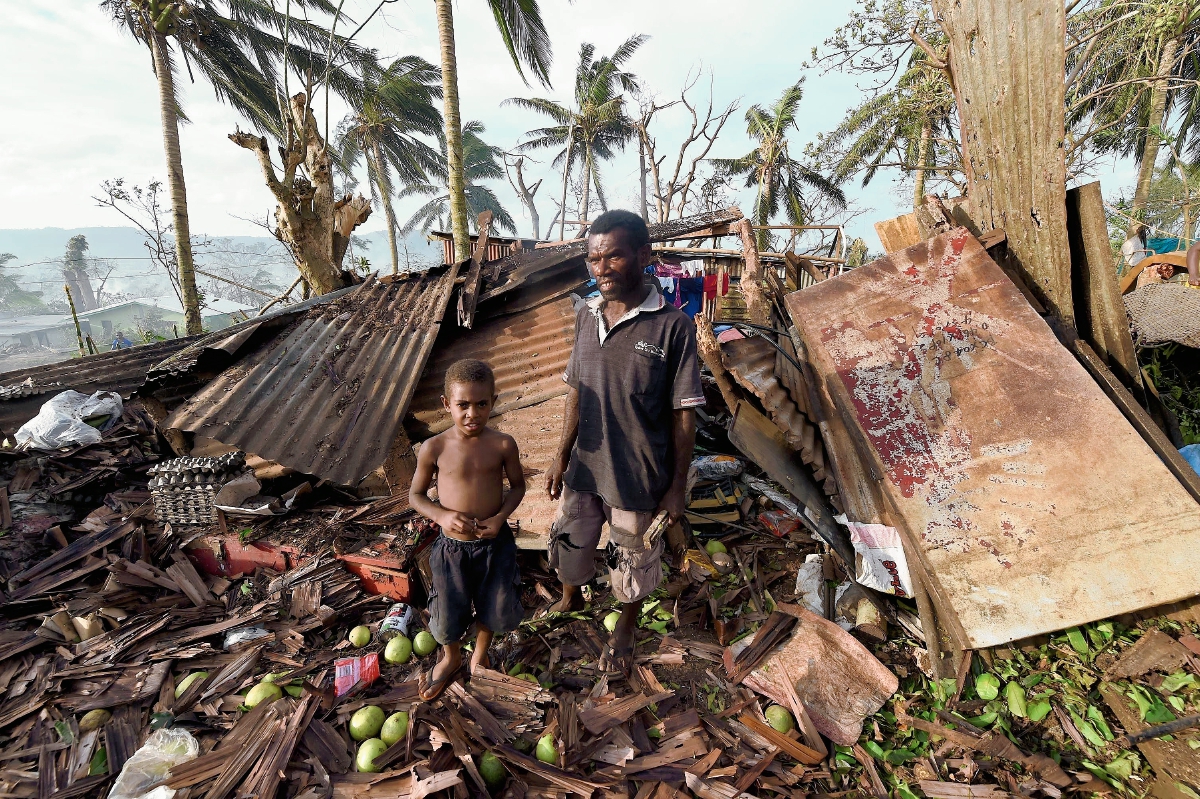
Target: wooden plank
x,y
793,749
1139,418
899,233
763,443
78,550
1099,312
963,393
604,717
468,297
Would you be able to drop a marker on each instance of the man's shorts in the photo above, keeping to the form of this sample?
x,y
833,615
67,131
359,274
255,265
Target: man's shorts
x,y
474,581
635,569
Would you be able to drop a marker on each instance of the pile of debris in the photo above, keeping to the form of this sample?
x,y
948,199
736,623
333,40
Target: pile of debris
x,y
895,578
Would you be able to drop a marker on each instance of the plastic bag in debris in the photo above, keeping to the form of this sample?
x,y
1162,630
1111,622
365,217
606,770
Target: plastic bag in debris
x,y
235,637
348,672
163,750
60,422
779,522
1191,454
714,467
879,558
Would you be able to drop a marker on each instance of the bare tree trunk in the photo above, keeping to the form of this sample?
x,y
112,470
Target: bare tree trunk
x,y
1158,108
169,114
587,184
642,174
562,226
757,304
313,223
1008,75
922,162
454,147
526,193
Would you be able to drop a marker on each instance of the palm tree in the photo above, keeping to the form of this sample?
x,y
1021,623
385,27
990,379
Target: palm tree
x,y
524,35
230,44
910,126
779,178
480,162
396,108
597,126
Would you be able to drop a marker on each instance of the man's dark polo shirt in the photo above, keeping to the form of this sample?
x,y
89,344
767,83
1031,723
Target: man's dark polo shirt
x,y
630,379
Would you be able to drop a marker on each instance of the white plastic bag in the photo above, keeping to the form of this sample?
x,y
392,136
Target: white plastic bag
x,y
879,558
60,423
163,750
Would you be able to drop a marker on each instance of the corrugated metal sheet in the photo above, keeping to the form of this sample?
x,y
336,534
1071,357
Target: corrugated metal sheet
x,y
1020,488
528,352
123,371
327,395
538,430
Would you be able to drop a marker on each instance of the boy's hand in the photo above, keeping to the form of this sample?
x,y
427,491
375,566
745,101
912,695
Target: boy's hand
x,y
459,524
490,528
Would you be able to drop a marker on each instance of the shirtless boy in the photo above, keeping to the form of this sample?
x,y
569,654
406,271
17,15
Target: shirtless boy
x,y
474,560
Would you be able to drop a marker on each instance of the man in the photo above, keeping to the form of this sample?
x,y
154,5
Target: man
x,y
629,430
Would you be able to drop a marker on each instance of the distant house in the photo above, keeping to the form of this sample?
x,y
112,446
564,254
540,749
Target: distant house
x,y
161,316
46,330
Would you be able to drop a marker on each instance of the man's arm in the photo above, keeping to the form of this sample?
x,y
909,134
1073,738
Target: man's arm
x,y
554,475
490,528
418,495
683,442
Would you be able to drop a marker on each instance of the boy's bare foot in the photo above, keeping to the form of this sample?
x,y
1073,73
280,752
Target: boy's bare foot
x,y
443,673
572,600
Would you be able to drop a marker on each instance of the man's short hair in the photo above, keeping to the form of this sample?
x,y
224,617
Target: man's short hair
x,y
636,233
469,370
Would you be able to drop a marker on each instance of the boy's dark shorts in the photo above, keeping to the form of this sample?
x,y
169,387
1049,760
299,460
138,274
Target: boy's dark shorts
x,y
482,575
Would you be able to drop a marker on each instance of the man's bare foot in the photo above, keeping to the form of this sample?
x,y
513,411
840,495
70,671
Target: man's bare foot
x,y
443,673
480,658
621,643
572,600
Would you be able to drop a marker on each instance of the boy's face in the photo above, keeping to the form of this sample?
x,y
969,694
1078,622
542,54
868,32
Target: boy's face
x,y
470,405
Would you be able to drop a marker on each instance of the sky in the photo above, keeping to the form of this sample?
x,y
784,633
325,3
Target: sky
x,y
80,104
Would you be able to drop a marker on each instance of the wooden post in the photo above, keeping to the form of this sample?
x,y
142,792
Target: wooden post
x,y
75,316
1007,62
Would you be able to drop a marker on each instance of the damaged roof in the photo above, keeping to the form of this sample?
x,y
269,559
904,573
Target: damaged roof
x,y
326,396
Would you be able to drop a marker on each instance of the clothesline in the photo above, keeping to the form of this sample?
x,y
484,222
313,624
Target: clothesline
x,y
1165,233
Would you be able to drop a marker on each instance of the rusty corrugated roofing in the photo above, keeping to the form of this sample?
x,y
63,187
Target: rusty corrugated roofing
x,y
122,371
528,352
326,396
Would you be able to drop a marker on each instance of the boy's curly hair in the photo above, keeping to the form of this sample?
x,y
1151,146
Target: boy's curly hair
x,y
469,370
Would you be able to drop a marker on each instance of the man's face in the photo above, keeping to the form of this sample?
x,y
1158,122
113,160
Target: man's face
x,y
617,267
470,405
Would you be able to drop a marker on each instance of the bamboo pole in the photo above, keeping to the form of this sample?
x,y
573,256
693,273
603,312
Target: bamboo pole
x,y
75,316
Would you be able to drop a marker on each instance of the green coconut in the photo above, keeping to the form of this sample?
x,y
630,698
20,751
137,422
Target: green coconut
x,y
360,636
714,546
779,718
366,722
395,728
547,752
424,643
94,720
187,681
368,750
398,650
492,771
263,692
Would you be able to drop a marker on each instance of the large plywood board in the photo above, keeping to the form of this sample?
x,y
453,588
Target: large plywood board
x,y
1031,501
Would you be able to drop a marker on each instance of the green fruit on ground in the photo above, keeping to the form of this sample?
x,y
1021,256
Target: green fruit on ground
x,y
610,621
274,676
294,691
398,650
522,745
424,643
714,546
360,636
547,752
94,720
187,681
780,719
368,750
395,728
492,770
528,678
366,723
263,692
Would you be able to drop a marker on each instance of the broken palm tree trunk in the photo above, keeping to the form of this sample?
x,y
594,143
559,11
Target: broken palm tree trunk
x,y
969,408
311,221
758,305
710,352
1007,62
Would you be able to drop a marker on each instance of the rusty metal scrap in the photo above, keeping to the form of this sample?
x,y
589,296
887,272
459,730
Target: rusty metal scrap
x,y
1018,484
326,396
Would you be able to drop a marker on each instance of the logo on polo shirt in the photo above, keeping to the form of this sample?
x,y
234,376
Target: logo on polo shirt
x,y
646,348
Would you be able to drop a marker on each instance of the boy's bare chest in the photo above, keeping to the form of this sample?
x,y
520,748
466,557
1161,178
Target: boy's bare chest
x,y
464,462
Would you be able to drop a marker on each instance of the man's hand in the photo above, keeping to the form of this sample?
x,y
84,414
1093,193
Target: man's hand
x,y
673,503
459,523
490,528
554,477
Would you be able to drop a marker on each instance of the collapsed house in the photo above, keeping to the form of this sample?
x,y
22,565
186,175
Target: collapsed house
x,y
910,462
